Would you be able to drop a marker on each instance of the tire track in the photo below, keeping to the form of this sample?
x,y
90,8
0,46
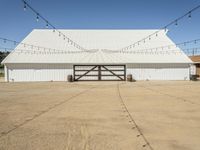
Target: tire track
x,y
176,97
43,112
132,120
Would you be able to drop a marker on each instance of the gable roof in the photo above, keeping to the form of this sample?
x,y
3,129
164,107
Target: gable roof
x,y
97,40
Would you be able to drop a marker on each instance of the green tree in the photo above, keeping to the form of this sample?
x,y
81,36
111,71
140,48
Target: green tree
x,y
3,55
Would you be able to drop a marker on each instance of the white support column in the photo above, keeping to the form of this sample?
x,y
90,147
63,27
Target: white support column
x,y
6,73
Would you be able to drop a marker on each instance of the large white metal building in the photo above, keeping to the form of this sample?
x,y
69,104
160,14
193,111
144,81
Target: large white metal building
x,y
145,61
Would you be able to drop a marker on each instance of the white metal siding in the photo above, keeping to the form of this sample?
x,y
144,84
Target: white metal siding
x,y
38,72
59,72
159,71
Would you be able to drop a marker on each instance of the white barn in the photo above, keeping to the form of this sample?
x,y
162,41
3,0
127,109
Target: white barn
x,y
28,63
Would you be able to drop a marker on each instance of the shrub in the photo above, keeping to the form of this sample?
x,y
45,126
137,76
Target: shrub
x,y
1,74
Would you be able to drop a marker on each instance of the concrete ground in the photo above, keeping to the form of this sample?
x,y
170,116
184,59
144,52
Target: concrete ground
x,y
151,115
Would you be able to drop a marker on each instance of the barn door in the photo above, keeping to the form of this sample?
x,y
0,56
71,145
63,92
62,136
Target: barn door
x,y
99,72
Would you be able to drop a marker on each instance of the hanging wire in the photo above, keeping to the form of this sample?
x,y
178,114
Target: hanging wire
x,y
45,51
161,47
48,24
187,14
5,40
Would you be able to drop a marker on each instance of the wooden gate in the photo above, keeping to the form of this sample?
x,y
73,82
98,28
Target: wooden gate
x,y
99,72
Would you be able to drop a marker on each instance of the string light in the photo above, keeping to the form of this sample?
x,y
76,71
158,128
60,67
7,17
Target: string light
x,y
188,14
47,52
163,47
169,46
39,16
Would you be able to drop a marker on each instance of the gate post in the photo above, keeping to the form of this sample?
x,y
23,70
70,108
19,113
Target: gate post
x,y
99,73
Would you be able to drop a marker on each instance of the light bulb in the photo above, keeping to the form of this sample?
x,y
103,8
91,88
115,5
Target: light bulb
x,y
190,15
176,23
47,25
37,18
24,6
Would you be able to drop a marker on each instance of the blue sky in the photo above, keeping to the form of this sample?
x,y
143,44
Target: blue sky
x,y
100,14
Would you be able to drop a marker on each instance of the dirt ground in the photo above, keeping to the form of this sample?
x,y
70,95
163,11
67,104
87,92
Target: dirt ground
x,y
151,115
2,79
